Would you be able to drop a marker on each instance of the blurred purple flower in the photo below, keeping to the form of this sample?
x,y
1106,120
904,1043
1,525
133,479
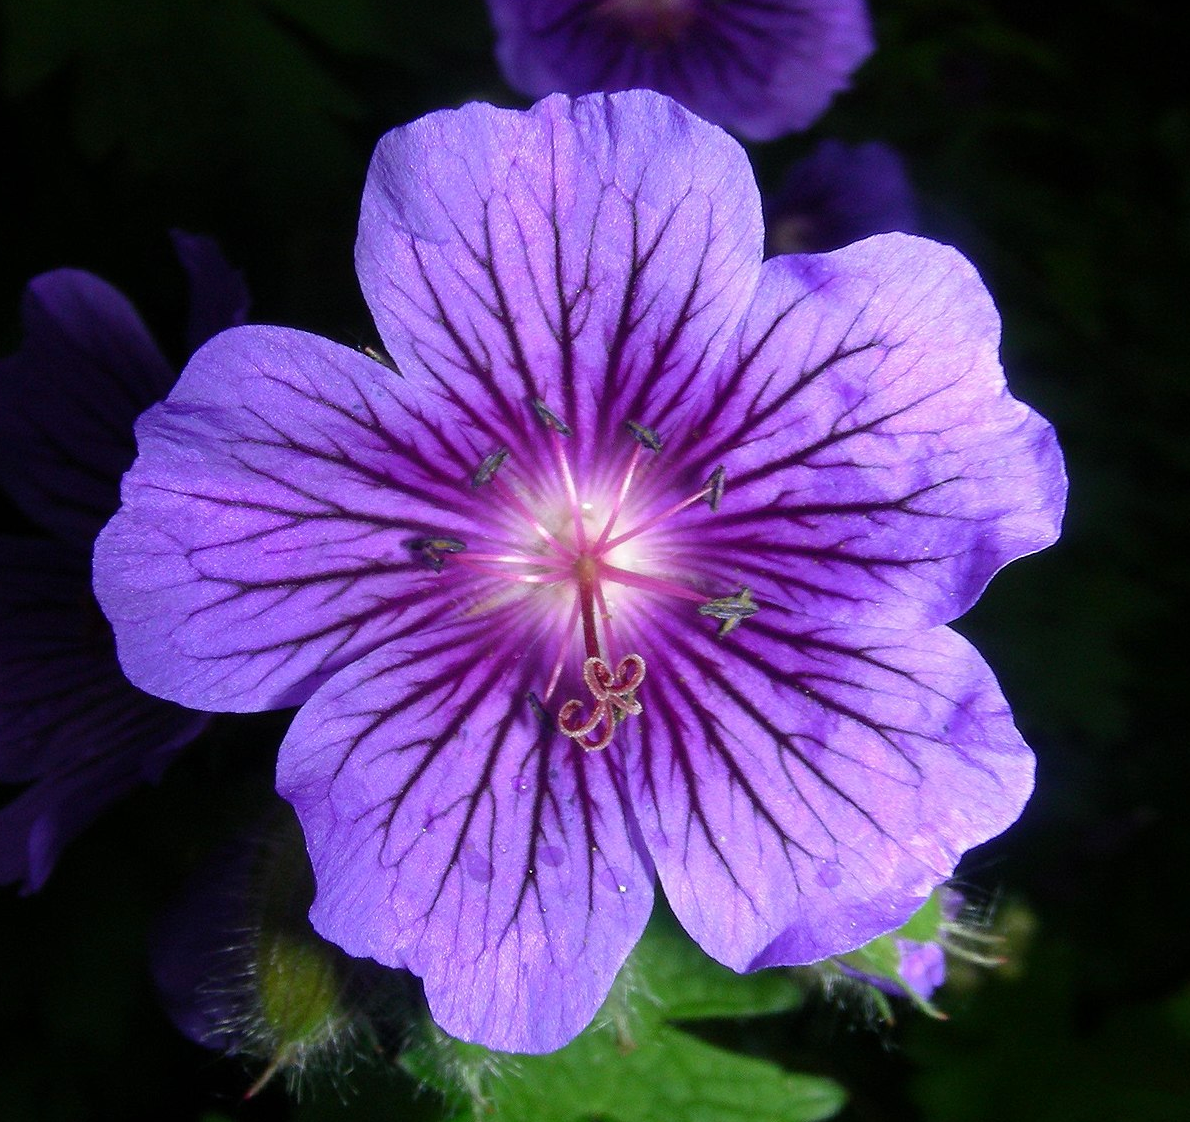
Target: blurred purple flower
x,y
839,194
73,731
638,566
759,69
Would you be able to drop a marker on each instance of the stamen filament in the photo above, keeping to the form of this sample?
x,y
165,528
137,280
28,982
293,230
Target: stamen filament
x,y
515,500
650,584
629,472
580,531
604,615
563,651
519,578
649,523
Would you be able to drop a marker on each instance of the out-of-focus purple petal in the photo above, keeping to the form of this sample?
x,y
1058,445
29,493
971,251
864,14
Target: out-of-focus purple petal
x,y
802,789
86,368
267,532
455,833
877,468
839,194
71,726
759,69
550,254
219,295
63,696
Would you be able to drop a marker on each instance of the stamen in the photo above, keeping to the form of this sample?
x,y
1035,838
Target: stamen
x,y
382,357
487,470
629,472
434,550
563,648
649,523
732,610
538,709
650,584
518,503
647,436
715,485
576,509
550,418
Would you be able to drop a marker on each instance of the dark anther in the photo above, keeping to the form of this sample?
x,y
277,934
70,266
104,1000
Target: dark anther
x,y
550,418
647,436
489,467
715,486
434,550
731,610
538,709
382,357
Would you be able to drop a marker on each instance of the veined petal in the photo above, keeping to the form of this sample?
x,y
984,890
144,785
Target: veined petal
x,y
268,527
508,256
456,833
877,468
803,789
87,366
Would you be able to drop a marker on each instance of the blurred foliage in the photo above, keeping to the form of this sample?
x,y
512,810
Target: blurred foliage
x,y
1052,144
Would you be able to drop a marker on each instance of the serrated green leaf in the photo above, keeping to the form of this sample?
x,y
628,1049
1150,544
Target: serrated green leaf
x,y
662,1076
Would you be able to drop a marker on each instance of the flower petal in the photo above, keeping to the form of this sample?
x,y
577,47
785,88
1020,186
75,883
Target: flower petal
x,y
759,69
71,726
454,832
802,791
268,528
877,469
86,368
839,194
508,256
218,293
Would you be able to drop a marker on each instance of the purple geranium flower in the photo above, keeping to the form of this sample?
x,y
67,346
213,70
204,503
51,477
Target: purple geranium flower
x,y
760,69
638,566
839,194
72,729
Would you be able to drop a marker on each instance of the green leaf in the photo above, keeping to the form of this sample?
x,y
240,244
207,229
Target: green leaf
x,y
683,984
663,1075
633,1065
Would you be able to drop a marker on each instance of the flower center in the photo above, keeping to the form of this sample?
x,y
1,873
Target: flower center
x,y
652,23
582,548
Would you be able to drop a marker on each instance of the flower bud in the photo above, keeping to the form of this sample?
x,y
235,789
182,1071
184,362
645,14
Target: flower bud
x,y
241,970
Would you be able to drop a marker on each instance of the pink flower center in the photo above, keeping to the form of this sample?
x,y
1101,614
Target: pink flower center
x,y
585,549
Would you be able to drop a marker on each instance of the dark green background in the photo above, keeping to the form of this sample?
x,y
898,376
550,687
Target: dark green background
x,y
1050,142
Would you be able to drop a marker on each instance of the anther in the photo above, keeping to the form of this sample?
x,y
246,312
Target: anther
x,y
382,357
434,550
647,436
538,709
730,610
550,418
487,470
715,485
